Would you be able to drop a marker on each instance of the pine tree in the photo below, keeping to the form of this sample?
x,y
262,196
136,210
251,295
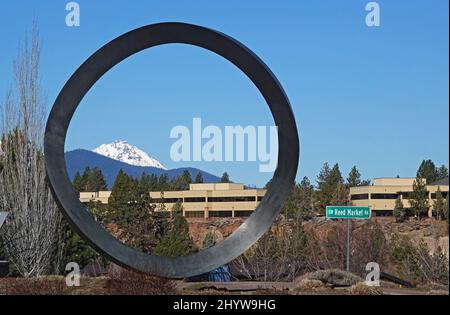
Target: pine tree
x,y
427,170
78,183
124,191
199,178
177,241
442,172
419,197
99,180
225,178
328,181
300,203
399,210
85,178
91,180
340,196
163,182
439,205
354,178
186,180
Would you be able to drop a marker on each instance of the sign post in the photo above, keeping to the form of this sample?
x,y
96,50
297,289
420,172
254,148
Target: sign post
x,y
348,213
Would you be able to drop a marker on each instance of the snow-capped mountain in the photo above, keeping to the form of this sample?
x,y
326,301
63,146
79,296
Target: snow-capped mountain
x,y
122,151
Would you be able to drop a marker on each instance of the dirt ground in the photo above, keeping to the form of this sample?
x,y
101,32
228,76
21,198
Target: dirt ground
x,y
55,285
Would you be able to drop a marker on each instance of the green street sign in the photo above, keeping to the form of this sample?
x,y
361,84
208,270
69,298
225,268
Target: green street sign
x,y
348,212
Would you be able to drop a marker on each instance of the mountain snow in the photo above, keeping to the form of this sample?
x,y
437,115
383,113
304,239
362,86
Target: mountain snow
x,y
122,151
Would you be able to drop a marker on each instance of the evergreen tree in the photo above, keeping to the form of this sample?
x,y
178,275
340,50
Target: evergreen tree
x,y
75,248
225,178
442,172
78,183
163,182
177,241
85,178
399,210
428,171
92,180
199,178
300,203
124,191
354,178
439,205
186,180
97,180
340,196
328,181
419,197
176,184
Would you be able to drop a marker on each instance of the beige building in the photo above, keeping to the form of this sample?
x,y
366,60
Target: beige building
x,y
101,196
381,196
213,200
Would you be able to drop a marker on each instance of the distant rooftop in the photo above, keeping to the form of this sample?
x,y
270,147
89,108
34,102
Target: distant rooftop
x,y
442,181
393,181
216,186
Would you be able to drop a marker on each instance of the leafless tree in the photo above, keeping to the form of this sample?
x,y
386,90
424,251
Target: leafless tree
x,y
31,234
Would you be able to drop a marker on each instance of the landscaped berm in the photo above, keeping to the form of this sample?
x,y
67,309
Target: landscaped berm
x,y
294,259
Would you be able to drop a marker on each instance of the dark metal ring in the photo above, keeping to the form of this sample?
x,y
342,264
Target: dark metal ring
x,y
97,65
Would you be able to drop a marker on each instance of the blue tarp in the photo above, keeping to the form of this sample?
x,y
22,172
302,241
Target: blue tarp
x,y
221,274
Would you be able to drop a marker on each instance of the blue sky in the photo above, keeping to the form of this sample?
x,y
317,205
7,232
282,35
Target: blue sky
x,y
377,98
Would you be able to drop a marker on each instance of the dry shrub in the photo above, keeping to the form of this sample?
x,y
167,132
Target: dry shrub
x,y
331,277
309,285
126,282
367,244
34,286
361,288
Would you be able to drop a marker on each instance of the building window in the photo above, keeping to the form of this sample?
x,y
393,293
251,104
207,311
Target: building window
x,y
243,213
383,196
260,198
359,197
220,214
194,199
194,214
443,193
166,200
406,194
232,199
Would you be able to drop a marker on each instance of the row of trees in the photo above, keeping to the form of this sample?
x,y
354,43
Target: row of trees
x,y
306,200
92,179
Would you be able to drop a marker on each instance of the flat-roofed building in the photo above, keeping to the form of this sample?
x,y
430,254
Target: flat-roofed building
x,y
95,196
208,200
213,200
381,196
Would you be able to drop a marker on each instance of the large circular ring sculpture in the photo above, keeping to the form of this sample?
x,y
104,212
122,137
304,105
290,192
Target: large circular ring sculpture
x,y
93,69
